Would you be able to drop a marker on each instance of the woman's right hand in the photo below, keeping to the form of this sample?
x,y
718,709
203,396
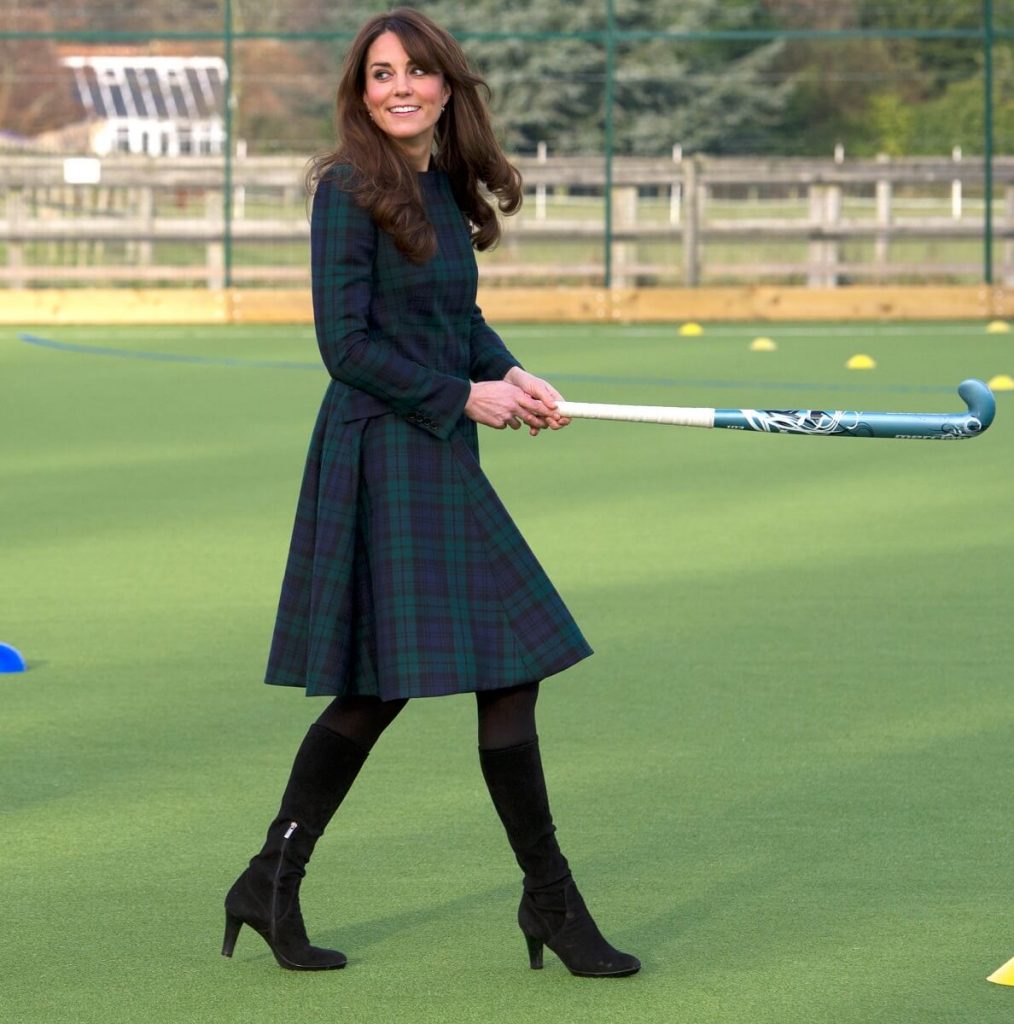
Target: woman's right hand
x,y
497,404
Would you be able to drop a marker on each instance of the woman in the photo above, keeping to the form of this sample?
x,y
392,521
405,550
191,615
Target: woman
x,y
406,576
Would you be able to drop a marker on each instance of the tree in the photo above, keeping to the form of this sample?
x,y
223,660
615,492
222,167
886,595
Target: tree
x,y
938,62
284,99
118,16
718,96
549,79
957,116
544,89
36,92
826,15
865,92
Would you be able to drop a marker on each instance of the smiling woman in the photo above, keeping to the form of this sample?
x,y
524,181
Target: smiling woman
x,y
404,100
397,63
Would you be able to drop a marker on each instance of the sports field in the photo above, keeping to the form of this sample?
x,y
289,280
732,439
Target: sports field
x,y
784,780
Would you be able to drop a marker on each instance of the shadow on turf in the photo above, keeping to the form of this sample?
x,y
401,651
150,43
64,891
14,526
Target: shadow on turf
x,y
34,663
385,928
450,918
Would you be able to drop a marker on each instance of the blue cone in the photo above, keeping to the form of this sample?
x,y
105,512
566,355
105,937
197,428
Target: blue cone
x,y
10,659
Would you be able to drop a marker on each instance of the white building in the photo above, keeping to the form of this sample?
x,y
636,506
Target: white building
x,y
171,106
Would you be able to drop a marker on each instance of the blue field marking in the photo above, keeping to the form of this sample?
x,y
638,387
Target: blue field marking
x,y
167,357
572,378
727,331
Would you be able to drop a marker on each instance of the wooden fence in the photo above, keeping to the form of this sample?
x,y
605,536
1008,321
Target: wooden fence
x,y
689,223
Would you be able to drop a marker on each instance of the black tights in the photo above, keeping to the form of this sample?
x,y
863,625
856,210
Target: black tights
x,y
360,719
506,717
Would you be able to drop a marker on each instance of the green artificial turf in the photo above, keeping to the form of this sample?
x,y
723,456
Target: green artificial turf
x,y
783,781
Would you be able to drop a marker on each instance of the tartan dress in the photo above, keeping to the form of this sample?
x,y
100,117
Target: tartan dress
x,y
406,576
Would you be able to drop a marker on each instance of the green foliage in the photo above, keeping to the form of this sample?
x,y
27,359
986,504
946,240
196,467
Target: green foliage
x,y
889,125
718,96
954,119
831,87
671,93
724,96
957,117
544,90
937,63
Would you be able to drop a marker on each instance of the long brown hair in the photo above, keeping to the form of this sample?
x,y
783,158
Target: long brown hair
x,y
383,182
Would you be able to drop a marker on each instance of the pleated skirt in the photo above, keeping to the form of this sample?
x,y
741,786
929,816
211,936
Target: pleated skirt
x,y
406,576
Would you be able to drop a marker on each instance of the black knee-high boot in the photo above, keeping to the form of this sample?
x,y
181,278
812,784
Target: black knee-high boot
x,y
266,895
552,912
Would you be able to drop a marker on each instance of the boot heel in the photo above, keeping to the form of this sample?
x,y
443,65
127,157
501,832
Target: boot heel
x,y
232,927
534,952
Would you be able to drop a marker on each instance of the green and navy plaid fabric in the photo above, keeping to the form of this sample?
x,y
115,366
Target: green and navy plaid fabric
x,y
406,576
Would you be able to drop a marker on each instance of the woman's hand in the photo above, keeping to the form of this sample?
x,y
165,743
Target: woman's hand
x,y
499,404
539,389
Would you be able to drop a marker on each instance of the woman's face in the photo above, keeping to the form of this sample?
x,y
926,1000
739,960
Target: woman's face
x,y
403,99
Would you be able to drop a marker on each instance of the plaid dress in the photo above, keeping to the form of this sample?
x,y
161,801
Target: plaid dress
x,y
406,576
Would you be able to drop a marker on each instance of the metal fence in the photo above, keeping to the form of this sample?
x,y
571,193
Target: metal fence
x,y
219,202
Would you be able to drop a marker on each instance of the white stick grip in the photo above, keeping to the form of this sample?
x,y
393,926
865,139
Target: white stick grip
x,y
672,415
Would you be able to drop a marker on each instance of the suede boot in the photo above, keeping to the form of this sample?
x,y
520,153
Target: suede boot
x,y
266,895
552,912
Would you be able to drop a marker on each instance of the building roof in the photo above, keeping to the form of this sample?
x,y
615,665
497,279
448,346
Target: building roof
x,y
150,87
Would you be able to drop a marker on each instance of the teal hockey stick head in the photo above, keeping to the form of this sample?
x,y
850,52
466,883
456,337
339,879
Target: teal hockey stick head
x,y
981,404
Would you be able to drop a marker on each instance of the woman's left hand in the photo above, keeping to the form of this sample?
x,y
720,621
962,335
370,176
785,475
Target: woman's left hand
x,y
543,391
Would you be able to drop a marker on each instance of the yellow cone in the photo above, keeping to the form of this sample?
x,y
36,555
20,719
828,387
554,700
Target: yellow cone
x,y
691,330
861,362
1001,382
998,327
762,345
1003,975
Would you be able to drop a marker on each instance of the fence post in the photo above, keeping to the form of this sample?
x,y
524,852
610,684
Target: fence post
x,y
542,156
146,218
1007,271
815,271
15,250
624,218
957,197
675,188
882,245
825,215
691,223
47,202
832,212
216,249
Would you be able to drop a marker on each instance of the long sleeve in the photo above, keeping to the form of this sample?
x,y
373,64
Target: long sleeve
x,y
489,358
343,241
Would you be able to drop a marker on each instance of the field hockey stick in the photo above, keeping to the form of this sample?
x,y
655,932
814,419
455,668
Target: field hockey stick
x,y
842,423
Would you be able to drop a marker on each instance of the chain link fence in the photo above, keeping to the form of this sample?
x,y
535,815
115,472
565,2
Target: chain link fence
x,y
726,141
